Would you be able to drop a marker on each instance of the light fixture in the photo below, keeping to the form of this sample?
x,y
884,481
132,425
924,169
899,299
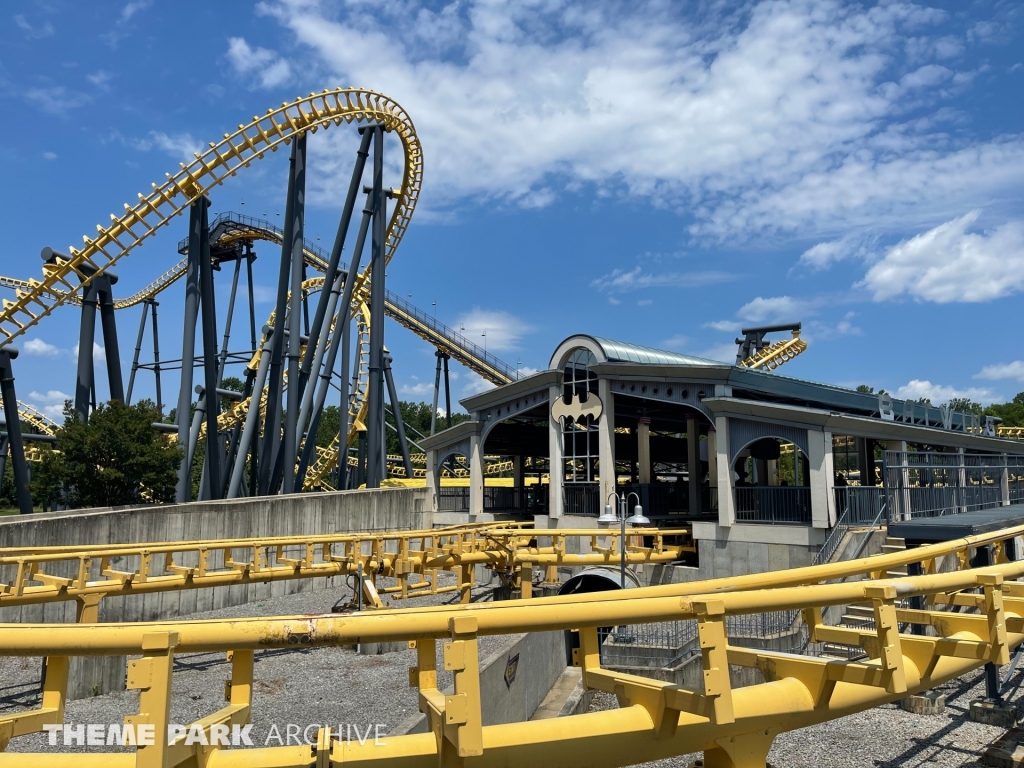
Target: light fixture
x,y
638,519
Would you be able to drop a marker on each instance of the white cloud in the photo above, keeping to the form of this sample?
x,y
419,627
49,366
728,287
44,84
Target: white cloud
x,y
725,353
948,263
635,279
99,354
56,100
1013,371
526,370
33,32
725,326
785,117
50,396
645,302
679,341
132,8
269,68
918,389
823,255
180,145
503,330
50,155
775,309
418,390
55,411
475,385
99,78
40,348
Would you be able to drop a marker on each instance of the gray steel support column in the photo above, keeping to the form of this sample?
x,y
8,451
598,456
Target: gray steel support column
x,y
3,454
138,351
249,258
290,446
111,349
183,491
193,432
156,359
437,390
86,335
211,369
375,465
251,419
272,428
343,399
396,411
327,368
447,393
693,463
17,447
328,298
227,323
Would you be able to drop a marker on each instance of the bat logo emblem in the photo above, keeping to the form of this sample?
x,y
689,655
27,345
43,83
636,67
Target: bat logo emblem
x,y
576,410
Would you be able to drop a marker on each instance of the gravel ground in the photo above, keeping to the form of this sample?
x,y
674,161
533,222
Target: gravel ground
x,y
886,737
329,686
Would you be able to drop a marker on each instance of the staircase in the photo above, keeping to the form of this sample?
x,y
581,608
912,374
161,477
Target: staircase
x,y
862,615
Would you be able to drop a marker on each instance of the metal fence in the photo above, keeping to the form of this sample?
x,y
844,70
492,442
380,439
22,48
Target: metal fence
x,y
528,499
862,502
785,505
667,644
581,498
453,499
931,484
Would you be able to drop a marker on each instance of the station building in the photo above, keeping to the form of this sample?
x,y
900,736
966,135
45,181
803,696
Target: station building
x,y
760,464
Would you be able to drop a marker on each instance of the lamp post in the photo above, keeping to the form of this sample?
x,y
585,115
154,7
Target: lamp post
x,y
636,519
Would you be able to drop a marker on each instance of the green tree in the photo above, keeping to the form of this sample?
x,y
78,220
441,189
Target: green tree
x,y
115,458
865,389
965,404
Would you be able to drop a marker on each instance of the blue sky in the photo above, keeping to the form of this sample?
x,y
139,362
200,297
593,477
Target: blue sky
x,y
653,172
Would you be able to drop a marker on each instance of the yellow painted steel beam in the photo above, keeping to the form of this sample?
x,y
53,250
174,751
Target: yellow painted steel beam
x,y
167,566
733,727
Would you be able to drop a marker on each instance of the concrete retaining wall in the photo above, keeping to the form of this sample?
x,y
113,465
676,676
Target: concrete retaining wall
x,y
541,663
391,509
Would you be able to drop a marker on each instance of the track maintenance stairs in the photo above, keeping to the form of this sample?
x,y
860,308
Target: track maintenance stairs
x,y
862,615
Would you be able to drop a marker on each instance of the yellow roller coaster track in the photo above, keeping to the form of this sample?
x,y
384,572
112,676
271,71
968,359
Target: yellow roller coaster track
x,y
969,617
223,159
774,355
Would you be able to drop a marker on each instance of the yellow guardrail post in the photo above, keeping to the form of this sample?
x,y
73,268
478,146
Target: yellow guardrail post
x,y
890,652
152,676
463,725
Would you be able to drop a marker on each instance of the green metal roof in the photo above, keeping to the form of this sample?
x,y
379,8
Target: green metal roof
x,y
621,352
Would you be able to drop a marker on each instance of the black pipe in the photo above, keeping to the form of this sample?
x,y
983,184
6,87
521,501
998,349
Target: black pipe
x,y
342,316
111,349
375,463
272,423
298,263
17,448
210,368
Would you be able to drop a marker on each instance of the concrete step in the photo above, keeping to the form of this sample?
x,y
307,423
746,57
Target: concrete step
x,y
856,622
896,542
566,697
890,548
901,574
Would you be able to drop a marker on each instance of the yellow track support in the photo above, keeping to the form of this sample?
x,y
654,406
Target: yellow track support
x,y
774,355
414,558
733,727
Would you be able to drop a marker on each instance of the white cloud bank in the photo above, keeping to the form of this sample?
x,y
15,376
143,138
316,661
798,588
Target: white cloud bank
x,y
918,389
948,264
786,116
269,69
1013,371
494,331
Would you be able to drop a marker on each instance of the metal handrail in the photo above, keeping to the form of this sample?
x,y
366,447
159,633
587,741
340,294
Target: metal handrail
x,y
454,337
